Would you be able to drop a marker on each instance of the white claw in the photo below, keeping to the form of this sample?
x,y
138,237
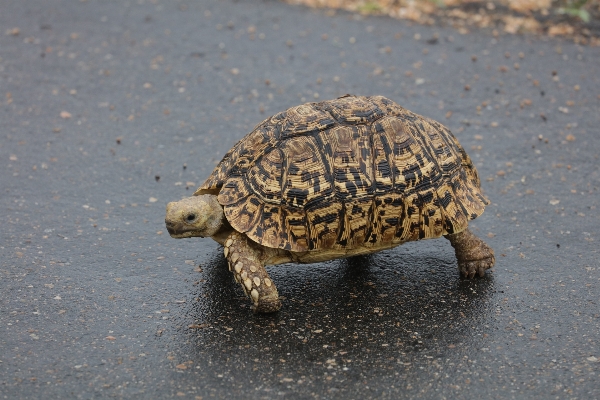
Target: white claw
x,y
254,294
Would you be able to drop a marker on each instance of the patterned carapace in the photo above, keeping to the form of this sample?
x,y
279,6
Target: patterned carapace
x,y
350,172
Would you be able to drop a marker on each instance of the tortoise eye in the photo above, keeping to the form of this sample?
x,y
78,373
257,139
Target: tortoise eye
x,y
191,217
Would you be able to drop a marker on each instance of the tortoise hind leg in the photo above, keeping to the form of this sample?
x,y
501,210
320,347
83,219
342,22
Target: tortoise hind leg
x,y
473,254
246,261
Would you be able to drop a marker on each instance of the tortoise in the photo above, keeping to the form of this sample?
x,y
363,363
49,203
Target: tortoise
x,y
334,179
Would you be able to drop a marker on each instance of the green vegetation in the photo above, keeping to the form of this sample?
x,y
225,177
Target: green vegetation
x,y
370,7
575,8
438,3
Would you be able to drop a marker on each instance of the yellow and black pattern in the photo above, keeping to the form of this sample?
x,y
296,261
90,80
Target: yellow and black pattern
x,y
358,111
350,172
303,119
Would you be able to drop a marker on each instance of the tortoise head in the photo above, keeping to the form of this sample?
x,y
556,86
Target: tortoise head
x,y
194,216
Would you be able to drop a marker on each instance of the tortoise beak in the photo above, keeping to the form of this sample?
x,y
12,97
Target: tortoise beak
x,y
171,227
174,226
178,230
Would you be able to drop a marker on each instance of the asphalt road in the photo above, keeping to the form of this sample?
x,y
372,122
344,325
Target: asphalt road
x,y
109,110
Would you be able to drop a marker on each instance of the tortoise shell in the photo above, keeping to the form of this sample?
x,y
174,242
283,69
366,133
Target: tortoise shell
x,y
344,173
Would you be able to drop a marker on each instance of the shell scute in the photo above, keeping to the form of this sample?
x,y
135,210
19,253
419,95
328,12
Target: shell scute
x,y
242,156
304,119
351,165
244,214
357,111
307,174
323,222
265,177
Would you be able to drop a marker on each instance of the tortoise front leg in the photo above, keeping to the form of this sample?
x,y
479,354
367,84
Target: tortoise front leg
x,y
246,261
473,254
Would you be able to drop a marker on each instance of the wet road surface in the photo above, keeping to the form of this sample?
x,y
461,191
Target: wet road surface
x,y
109,110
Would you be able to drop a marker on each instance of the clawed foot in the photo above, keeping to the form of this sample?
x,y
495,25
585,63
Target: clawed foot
x,y
267,306
474,256
468,269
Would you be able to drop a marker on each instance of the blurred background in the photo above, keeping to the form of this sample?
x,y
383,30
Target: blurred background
x,y
578,19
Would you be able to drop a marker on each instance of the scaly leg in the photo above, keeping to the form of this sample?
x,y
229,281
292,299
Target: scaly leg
x,y
473,254
246,262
